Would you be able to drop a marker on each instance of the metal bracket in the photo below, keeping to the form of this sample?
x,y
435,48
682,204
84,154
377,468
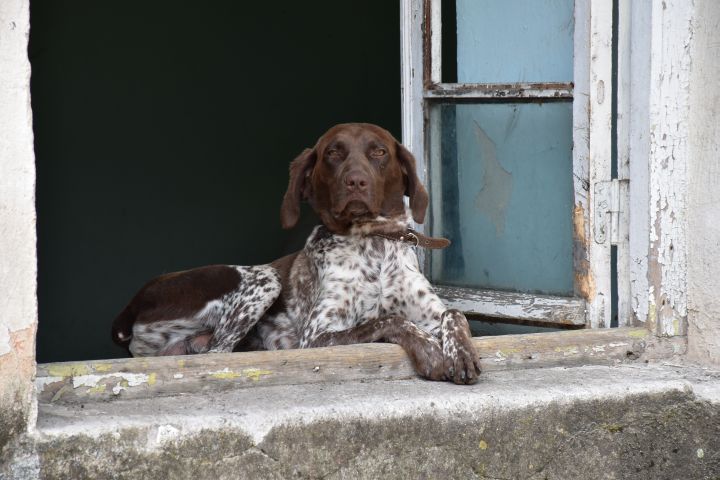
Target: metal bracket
x,y
606,218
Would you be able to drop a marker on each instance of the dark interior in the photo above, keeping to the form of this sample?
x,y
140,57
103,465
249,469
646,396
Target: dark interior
x,y
163,133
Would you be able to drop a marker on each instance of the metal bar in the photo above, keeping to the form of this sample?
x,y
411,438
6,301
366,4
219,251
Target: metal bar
x,y
480,91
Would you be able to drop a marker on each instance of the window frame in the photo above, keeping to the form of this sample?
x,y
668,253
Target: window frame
x,y
595,207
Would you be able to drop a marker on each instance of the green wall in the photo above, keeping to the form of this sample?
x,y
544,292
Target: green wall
x,y
163,133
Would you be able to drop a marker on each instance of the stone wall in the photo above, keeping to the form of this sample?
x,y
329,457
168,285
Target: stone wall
x,y
703,193
18,270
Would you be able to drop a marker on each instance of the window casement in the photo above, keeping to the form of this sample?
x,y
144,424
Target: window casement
x,y
516,151
434,115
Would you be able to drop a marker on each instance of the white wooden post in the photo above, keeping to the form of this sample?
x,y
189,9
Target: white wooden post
x,y
600,137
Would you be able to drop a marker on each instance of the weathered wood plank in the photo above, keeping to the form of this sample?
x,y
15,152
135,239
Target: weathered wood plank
x,y
104,380
515,91
523,306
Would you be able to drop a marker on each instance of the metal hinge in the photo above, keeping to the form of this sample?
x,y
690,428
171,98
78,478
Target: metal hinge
x,y
607,210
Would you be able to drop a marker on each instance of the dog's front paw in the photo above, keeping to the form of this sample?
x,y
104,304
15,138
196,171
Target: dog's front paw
x,y
424,350
428,360
460,360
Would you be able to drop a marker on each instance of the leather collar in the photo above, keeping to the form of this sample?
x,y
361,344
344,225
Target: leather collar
x,y
415,238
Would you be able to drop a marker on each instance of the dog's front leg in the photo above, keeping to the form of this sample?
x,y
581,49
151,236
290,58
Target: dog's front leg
x,y
425,308
424,350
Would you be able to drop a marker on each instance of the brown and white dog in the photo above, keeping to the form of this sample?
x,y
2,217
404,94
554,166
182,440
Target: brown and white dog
x,y
357,279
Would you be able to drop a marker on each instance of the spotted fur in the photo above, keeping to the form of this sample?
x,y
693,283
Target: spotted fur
x,y
340,283
215,327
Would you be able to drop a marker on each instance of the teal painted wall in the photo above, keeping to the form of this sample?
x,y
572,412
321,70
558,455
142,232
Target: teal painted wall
x,y
163,134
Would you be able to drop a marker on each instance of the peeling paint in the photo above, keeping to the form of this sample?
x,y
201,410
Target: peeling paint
x,y
132,379
102,367
494,196
123,385
509,351
637,333
68,370
254,373
97,389
496,303
672,33
224,374
97,384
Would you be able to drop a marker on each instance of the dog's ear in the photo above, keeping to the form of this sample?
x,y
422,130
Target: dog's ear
x,y
298,186
413,187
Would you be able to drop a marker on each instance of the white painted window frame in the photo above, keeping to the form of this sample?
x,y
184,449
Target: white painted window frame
x,y
597,199
653,110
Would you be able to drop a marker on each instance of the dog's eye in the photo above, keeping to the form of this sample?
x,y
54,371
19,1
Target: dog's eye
x,y
379,152
333,153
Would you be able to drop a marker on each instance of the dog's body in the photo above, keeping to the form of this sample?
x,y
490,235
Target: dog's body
x,y
357,279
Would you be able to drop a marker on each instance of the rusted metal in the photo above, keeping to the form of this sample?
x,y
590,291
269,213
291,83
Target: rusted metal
x,y
584,282
427,43
510,91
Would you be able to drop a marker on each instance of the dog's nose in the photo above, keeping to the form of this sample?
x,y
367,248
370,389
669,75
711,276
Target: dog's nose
x,y
356,181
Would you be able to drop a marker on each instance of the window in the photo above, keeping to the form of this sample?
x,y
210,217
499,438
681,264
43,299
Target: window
x,y
508,107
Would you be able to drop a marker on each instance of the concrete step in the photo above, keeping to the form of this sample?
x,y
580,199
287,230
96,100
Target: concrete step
x,y
628,421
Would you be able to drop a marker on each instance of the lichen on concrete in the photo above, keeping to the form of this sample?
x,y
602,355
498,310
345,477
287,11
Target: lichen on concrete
x,y
211,454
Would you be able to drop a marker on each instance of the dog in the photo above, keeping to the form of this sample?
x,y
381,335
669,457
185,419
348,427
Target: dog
x,y
356,281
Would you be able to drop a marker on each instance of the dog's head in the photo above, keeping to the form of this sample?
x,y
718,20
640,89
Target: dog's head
x,y
355,172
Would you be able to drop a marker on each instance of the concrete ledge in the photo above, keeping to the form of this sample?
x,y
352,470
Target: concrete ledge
x,y
588,422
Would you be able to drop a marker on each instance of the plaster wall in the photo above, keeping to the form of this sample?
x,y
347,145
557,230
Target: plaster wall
x,y
703,212
18,304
